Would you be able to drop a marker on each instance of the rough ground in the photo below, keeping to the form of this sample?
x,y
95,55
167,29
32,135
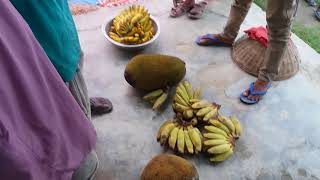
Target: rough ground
x,y
281,134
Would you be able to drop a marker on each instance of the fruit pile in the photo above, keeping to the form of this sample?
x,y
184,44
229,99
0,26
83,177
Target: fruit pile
x,y
132,26
182,133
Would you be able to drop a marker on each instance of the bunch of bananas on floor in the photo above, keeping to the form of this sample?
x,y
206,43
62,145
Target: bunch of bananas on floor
x,y
184,97
132,26
156,98
188,103
179,136
220,137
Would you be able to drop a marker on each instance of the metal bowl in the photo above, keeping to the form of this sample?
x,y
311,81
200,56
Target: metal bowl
x,y
106,27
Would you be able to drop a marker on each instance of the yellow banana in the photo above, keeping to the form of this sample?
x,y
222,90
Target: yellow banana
x,y
189,144
195,139
214,142
181,140
160,101
136,18
188,114
216,130
162,127
180,108
180,100
194,121
237,125
214,136
153,95
166,132
212,113
203,111
219,149
197,93
222,157
194,100
173,137
218,124
227,122
182,92
201,104
188,87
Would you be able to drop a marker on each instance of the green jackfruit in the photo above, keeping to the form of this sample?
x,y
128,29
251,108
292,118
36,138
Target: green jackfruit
x,y
154,71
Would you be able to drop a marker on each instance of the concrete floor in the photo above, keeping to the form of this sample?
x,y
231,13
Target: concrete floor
x,y
281,133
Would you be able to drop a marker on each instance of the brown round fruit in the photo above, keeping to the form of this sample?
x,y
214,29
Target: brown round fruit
x,y
166,166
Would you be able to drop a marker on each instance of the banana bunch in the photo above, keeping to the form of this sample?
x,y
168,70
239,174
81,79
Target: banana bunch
x,y
185,96
220,137
132,26
180,137
205,110
156,98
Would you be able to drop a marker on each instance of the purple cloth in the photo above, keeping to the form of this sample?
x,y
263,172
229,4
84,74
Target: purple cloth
x,y
44,135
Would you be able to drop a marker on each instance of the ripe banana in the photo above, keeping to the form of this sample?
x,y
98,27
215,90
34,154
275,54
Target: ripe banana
x,y
189,144
202,112
214,142
182,92
162,127
195,138
227,122
188,114
188,87
194,100
181,140
166,132
173,137
216,130
200,104
222,157
218,124
237,126
212,113
180,100
219,149
214,136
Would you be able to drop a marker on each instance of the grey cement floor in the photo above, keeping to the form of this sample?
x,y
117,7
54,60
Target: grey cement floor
x,y
281,134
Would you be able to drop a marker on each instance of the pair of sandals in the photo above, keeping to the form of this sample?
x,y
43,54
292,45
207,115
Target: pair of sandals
x,y
194,10
218,40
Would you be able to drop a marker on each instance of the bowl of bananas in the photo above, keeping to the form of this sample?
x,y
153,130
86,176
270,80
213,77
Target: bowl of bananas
x,y
132,29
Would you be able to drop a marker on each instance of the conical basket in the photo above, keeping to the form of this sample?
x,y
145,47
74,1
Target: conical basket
x,y
249,54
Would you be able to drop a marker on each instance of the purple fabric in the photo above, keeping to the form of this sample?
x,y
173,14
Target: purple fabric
x,y
44,135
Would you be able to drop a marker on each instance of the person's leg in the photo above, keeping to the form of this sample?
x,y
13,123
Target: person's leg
x,y
238,12
279,18
317,13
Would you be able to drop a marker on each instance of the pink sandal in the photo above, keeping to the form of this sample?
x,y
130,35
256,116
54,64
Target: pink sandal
x,y
181,7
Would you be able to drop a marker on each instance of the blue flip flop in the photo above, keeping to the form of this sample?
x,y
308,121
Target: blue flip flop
x,y
253,92
213,41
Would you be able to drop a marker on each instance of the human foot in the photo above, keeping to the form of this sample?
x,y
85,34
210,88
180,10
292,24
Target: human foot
x,y
181,7
100,105
197,10
255,92
214,40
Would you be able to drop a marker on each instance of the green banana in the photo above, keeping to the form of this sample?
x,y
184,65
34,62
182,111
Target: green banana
x,y
214,136
180,100
189,144
202,112
188,88
160,101
214,142
153,95
227,122
212,113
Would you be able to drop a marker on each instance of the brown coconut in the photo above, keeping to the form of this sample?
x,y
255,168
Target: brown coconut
x,y
169,167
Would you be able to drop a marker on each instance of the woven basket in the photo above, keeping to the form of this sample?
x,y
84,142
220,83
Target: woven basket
x,y
248,54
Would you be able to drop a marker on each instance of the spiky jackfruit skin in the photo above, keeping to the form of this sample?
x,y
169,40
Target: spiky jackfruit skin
x,y
167,166
154,71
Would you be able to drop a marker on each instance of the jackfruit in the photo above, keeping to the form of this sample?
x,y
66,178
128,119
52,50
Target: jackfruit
x,y
154,71
168,166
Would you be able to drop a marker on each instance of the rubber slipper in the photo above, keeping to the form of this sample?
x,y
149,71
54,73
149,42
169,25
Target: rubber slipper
x,y
197,11
100,105
211,40
253,92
